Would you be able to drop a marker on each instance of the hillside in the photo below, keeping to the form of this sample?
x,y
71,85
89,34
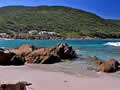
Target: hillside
x,y
69,22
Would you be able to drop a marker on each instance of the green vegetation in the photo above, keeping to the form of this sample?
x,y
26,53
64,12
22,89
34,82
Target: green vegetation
x,y
69,22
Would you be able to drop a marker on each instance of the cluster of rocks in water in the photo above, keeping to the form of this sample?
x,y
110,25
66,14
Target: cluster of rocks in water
x,y
31,54
108,66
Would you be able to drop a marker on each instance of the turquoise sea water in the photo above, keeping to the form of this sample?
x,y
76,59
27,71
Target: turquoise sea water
x,y
103,49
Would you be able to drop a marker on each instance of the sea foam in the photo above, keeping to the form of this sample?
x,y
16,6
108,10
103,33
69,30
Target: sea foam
x,y
113,43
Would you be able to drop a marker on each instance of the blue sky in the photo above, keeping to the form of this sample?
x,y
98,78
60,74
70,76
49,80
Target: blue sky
x,y
109,9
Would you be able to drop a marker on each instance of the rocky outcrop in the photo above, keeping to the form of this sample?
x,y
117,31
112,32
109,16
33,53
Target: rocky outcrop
x,y
31,54
23,50
4,58
65,51
10,58
14,85
109,66
51,55
15,56
43,56
17,60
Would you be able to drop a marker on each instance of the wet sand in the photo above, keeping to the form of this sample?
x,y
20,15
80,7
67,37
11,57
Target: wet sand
x,y
45,77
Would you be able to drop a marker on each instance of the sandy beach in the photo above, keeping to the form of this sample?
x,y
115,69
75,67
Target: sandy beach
x,y
44,79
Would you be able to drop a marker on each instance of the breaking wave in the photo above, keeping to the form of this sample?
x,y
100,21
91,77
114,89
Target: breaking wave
x,y
113,43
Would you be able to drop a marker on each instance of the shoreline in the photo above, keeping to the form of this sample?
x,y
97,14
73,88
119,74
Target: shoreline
x,y
81,38
57,39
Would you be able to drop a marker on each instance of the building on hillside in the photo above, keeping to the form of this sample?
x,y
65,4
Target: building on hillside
x,y
45,32
33,32
52,33
4,35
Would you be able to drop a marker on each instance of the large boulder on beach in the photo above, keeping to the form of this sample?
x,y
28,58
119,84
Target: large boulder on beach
x,y
23,50
31,54
17,60
51,54
10,58
43,56
13,85
65,51
5,58
111,65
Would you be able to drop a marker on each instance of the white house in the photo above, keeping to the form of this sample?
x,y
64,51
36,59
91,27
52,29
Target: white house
x,y
45,32
4,35
33,32
52,33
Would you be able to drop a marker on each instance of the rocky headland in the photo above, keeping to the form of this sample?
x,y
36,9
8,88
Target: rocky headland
x,y
40,55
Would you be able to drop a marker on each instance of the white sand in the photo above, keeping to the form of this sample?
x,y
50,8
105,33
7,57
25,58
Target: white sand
x,y
48,80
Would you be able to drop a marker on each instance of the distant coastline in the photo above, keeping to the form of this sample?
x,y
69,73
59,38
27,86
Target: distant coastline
x,y
85,38
81,38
